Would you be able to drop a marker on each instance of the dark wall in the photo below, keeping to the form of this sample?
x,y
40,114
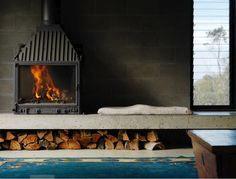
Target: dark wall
x,y
135,51
18,19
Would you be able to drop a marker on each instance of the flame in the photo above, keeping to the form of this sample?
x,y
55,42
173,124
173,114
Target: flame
x,y
44,87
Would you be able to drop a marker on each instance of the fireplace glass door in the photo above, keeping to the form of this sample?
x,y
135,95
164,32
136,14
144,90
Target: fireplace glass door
x,y
47,84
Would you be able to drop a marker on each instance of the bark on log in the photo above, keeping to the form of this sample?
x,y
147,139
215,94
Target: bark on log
x,y
102,133
154,146
101,143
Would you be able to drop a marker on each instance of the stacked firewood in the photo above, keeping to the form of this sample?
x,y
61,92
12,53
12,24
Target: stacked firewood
x,y
80,139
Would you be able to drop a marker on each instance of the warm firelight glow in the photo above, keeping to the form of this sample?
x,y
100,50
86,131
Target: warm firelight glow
x,y
44,87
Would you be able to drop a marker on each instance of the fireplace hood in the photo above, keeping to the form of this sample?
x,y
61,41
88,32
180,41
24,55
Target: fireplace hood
x,y
49,43
50,50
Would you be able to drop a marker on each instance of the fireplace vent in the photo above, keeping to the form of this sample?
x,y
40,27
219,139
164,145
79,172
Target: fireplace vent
x,y
49,44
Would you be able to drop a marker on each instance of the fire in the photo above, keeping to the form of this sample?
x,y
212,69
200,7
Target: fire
x,y
44,87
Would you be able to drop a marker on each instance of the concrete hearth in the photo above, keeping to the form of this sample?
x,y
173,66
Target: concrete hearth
x,y
94,121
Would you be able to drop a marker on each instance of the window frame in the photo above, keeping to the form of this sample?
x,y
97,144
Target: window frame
x,y
231,106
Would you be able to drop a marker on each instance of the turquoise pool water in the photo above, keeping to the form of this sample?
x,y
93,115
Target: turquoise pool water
x,y
98,168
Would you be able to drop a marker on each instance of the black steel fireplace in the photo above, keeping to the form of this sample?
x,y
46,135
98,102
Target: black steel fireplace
x,y
47,70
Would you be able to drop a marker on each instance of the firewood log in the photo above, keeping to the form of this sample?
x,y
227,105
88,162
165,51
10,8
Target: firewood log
x,y
102,133
109,144
6,145
125,136
31,138
101,143
122,135
92,146
32,146
95,137
142,138
84,141
85,133
70,144
44,143
132,145
41,134
154,146
1,138
152,136
52,146
63,136
21,137
15,145
112,138
49,136
58,140
119,145
76,135
10,136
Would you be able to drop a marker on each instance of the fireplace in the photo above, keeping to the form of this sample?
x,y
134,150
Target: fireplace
x,y
47,70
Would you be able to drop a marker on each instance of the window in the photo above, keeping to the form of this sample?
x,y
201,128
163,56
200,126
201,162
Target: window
x,y
211,55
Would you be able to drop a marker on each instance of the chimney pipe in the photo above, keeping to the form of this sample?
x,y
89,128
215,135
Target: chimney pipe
x,y
48,12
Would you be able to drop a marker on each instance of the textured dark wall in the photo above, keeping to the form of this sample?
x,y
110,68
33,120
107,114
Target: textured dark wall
x,y
18,20
135,51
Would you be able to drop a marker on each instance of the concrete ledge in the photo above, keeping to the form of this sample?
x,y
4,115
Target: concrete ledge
x,y
86,154
11,121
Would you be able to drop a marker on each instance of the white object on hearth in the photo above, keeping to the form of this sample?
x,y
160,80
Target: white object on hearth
x,y
144,109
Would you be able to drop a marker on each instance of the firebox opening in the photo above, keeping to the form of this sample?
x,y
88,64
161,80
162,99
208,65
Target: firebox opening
x,y
47,84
